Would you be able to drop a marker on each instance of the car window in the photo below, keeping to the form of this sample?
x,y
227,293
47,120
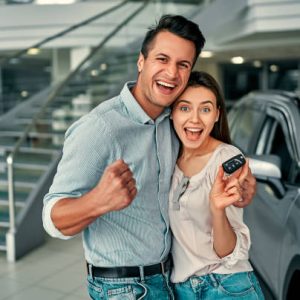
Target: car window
x,y
244,126
278,146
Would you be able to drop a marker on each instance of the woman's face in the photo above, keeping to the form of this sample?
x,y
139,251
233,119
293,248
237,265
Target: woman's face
x,y
194,115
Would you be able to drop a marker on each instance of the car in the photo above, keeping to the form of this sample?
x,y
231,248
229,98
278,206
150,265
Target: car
x,y
265,125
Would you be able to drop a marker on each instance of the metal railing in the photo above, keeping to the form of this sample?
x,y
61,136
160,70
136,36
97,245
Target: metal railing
x,y
63,32
51,97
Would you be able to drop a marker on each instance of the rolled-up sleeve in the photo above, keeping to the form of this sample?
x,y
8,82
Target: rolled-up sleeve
x,y
85,156
243,242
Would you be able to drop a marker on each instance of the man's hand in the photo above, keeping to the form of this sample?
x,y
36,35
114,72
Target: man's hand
x,y
115,190
248,185
117,187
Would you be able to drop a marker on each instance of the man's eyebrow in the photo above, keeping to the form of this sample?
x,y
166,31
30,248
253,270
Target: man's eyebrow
x,y
182,61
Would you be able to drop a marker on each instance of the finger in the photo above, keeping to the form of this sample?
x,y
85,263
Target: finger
x,y
244,172
133,192
220,174
232,199
126,176
231,181
131,184
118,166
240,203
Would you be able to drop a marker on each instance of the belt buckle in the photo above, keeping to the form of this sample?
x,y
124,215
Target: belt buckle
x,y
90,267
162,264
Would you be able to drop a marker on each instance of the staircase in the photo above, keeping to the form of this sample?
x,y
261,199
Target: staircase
x,y
36,160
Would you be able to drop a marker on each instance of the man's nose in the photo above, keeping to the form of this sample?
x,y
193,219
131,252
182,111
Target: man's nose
x,y
172,70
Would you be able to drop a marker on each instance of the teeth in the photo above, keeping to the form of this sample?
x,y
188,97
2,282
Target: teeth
x,y
194,129
166,84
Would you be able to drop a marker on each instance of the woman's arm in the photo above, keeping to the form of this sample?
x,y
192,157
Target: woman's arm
x,y
224,193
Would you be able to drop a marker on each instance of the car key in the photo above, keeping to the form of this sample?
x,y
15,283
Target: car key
x,y
234,163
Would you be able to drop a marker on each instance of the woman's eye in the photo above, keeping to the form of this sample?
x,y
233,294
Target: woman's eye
x,y
206,109
184,108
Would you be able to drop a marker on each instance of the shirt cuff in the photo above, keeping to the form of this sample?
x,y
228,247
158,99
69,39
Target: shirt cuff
x,y
48,223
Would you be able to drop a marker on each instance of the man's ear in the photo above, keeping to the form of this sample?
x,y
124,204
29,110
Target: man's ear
x,y
140,62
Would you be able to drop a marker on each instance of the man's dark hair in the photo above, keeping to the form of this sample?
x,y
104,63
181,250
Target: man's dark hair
x,y
179,26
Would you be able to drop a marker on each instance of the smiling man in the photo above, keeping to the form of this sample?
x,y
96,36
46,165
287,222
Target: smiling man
x,y
113,180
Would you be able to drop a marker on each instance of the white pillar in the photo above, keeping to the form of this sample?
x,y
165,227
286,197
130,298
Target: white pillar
x,y
78,55
60,64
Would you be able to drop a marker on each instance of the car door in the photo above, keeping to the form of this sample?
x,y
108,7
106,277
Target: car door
x,y
267,216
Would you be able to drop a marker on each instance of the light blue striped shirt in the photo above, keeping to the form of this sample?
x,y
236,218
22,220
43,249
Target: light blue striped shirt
x,y
119,128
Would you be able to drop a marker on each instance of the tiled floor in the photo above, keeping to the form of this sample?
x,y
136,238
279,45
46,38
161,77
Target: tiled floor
x,y
55,271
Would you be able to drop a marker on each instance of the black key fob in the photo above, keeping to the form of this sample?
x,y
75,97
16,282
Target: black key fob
x,y
234,163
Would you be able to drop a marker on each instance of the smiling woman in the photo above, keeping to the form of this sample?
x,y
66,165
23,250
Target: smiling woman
x,y
210,239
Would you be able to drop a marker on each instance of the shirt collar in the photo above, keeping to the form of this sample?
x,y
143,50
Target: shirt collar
x,y
135,110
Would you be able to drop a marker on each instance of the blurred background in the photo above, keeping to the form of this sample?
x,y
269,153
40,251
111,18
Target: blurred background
x,y
61,58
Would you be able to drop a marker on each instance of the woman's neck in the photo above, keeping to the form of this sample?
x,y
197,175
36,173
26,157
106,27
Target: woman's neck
x,y
192,161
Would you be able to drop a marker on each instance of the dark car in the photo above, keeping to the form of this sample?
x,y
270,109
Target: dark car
x,y
266,127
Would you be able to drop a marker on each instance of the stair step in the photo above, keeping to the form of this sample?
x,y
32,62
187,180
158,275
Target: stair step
x,y
42,135
44,145
3,243
20,198
4,215
32,158
23,178
52,149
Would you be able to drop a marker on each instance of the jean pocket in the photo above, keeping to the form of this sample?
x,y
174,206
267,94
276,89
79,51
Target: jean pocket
x,y
121,293
236,285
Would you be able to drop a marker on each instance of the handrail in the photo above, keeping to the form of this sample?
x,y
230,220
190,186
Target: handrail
x,y
51,97
63,32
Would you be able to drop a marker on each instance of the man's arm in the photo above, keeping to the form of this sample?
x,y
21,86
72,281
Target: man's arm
x,y
115,190
248,185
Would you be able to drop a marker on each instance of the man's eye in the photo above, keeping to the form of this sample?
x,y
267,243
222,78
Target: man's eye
x,y
162,59
184,66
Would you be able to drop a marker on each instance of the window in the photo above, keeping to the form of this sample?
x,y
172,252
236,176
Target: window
x,y
279,147
244,128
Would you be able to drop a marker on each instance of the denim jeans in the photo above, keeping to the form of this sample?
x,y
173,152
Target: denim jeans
x,y
242,286
156,287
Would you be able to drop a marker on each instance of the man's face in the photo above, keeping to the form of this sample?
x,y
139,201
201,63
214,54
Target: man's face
x,y
163,75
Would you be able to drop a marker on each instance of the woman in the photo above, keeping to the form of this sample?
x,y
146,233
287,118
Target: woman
x,y
211,242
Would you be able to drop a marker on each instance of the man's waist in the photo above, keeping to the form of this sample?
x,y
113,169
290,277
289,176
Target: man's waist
x,y
130,271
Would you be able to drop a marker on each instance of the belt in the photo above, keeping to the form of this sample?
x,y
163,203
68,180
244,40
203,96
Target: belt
x,y
138,271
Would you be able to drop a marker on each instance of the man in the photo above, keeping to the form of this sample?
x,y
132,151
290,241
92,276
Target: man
x,y
113,181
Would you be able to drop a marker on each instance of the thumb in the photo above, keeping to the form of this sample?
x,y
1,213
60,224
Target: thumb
x,y
220,175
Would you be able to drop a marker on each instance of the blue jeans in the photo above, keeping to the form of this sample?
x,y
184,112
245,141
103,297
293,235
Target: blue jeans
x,y
153,287
242,286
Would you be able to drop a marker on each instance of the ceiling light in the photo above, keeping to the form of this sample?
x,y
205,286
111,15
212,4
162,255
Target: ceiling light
x,y
206,54
24,94
103,67
42,2
94,72
237,60
274,68
257,64
33,51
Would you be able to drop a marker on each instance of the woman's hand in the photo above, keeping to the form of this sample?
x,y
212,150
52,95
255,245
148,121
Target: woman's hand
x,y
225,191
